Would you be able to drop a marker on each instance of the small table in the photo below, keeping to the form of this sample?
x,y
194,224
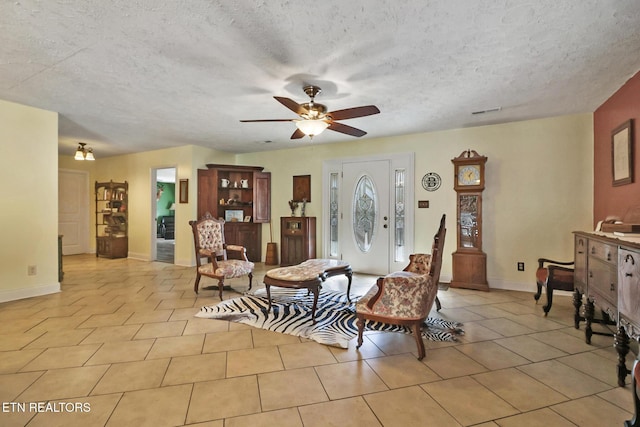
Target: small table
x,y
310,274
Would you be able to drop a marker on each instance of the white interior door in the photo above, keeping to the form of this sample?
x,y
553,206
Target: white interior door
x,y
73,211
365,219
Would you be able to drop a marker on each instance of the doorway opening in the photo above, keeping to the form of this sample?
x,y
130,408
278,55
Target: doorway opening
x,y
164,214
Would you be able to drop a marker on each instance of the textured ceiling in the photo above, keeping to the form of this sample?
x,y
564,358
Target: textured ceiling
x,y
134,75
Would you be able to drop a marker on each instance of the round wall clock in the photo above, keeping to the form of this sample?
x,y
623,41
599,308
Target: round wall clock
x,y
431,181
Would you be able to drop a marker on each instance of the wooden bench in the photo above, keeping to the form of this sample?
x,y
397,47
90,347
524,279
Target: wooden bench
x,y
310,274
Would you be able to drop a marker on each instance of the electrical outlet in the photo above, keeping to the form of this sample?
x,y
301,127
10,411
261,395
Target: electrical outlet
x,y
521,266
32,270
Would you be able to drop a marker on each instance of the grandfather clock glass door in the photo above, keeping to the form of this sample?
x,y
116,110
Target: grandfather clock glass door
x,y
365,216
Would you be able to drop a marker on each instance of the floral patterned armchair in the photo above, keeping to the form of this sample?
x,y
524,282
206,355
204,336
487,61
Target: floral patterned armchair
x,y
208,237
405,297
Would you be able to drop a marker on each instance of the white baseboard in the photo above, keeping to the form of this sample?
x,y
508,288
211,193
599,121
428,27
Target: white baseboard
x,y
185,263
139,256
33,291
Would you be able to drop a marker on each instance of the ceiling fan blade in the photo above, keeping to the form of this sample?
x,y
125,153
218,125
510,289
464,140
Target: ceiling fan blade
x,y
268,120
298,134
292,105
351,113
349,130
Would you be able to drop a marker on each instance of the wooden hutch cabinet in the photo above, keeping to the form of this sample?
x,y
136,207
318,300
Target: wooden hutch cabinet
x,y
112,224
297,239
241,195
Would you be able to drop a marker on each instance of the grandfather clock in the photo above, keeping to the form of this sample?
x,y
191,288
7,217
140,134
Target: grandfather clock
x,y
469,262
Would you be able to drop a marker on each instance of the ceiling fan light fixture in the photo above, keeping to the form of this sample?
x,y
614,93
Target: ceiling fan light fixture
x,y
312,127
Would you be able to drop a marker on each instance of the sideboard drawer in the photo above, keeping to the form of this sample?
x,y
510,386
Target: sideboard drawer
x,y
603,251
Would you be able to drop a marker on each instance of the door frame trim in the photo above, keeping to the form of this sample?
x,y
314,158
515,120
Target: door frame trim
x,y
153,253
406,161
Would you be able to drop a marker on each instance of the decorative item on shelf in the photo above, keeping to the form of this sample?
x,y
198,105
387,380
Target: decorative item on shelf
x,y
83,153
224,183
293,205
303,207
244,183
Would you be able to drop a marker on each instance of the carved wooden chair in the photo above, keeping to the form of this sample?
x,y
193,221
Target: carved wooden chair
x,y
208,238
405,297
553,275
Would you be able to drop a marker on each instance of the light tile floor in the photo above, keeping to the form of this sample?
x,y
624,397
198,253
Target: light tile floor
x,y
120,346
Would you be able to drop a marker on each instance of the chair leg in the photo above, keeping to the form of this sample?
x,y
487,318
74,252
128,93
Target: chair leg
x,y
547,307
197,284
537,295
360,323
417,332
250,280
438,305
220,287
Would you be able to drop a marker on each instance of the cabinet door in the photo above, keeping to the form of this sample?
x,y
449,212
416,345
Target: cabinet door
x,y
207,193
629,285
261,197
246,234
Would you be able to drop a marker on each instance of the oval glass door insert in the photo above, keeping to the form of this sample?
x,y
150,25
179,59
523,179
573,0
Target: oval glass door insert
x,y
364,204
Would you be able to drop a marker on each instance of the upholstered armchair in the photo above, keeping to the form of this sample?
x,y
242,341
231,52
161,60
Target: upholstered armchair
x,y
553,275
405,297
208,237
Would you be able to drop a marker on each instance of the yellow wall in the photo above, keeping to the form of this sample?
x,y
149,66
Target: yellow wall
x,y
539,187
29,214
137,169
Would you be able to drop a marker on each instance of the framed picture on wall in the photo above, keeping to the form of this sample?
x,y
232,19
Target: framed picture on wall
x,y
302,188
184,191
622,153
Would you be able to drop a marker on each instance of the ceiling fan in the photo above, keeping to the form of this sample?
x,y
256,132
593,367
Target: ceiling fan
x,y
314,118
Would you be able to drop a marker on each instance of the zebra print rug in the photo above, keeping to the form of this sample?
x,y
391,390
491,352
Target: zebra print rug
x,y
335,316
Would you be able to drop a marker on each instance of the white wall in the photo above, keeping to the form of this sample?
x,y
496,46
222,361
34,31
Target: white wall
x,y
539,188
29,213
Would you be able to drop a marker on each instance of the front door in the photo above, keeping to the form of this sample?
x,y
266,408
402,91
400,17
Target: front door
x,y
365,222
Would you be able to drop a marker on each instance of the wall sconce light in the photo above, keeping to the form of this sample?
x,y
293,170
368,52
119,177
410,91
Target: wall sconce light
x,y
83,153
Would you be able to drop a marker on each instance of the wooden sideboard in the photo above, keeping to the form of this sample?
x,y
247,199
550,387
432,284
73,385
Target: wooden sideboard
x,y
607,272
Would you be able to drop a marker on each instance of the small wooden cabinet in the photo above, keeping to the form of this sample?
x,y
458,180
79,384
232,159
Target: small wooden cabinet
x,y
112,223
241,195
297,239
